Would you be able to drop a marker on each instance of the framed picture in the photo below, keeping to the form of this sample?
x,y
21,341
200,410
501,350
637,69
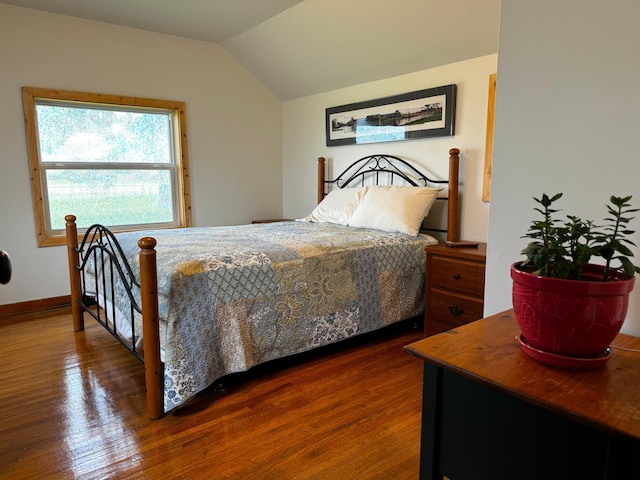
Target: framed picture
x,y
421,114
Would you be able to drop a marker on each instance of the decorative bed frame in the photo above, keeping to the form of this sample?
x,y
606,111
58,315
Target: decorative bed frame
x,y
100,247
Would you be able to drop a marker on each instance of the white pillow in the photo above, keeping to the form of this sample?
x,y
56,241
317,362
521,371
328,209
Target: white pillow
x,y
337,206
394,208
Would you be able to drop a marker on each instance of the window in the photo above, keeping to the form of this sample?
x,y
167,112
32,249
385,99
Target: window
x,y
117,161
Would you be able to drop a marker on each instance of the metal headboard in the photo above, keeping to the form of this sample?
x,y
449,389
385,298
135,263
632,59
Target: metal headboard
x,y
373,166
393,168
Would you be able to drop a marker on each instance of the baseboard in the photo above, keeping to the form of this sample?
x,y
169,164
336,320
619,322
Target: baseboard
x,y
32,306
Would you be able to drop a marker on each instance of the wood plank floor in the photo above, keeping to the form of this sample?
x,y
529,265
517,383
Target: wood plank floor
x,y
346,412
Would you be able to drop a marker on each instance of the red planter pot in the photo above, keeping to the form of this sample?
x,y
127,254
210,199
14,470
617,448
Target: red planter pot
x,y
569,318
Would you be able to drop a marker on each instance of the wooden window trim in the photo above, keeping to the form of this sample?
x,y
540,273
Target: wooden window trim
x,y
29,96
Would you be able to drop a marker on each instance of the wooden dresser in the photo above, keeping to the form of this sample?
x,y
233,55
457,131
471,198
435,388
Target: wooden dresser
x,y
491,412
454,287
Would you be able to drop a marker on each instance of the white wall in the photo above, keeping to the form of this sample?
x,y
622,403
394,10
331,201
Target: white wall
x,y
304,138
567,120
239,133
234,125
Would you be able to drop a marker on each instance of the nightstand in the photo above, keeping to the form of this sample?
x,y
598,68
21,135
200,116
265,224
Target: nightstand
x,y
272,220
454,288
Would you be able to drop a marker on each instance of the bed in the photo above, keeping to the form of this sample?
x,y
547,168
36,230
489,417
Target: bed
x,y
200,303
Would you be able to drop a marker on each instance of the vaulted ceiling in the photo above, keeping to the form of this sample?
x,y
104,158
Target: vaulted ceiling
x,y
303,47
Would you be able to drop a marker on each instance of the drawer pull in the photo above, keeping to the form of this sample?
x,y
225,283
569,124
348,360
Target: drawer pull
x,y
456,276
456,311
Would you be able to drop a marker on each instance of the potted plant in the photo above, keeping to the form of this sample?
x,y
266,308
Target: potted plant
x,y
569,309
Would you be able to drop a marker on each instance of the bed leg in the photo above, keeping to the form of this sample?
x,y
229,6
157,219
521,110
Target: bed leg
x,y
74,273
153,369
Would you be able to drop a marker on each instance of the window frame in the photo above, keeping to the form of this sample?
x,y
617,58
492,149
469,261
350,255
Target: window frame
x,y
31,95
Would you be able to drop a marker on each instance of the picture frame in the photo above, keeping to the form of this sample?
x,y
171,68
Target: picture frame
x,y
420,114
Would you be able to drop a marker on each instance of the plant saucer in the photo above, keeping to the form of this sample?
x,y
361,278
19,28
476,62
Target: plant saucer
x,y
561,361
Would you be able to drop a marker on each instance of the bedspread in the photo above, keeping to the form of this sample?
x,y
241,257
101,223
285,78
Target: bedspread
x,y
233,297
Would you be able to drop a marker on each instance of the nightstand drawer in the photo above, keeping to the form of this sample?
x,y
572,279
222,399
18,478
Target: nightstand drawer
x,y
459,275
451,310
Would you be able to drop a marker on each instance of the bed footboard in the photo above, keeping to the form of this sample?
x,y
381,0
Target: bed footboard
x,y
100,251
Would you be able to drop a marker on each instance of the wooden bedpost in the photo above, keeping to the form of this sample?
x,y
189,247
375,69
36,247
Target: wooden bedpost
x,y
453,222
321,173
153,371
74,273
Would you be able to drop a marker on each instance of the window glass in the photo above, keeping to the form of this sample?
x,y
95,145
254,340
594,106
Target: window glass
x,y
109,197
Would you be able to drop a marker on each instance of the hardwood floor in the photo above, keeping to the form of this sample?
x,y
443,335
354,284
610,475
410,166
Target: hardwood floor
x,y
351,411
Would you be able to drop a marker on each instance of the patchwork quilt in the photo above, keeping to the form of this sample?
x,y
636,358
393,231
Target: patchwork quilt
x,y
233,297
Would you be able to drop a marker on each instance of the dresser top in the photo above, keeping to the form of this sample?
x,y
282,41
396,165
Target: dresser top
x,y
487,351
474,253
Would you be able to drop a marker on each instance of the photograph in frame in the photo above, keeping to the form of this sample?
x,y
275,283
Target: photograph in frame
x,y
420,114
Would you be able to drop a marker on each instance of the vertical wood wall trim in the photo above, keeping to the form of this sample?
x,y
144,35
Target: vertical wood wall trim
x,y
488,151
